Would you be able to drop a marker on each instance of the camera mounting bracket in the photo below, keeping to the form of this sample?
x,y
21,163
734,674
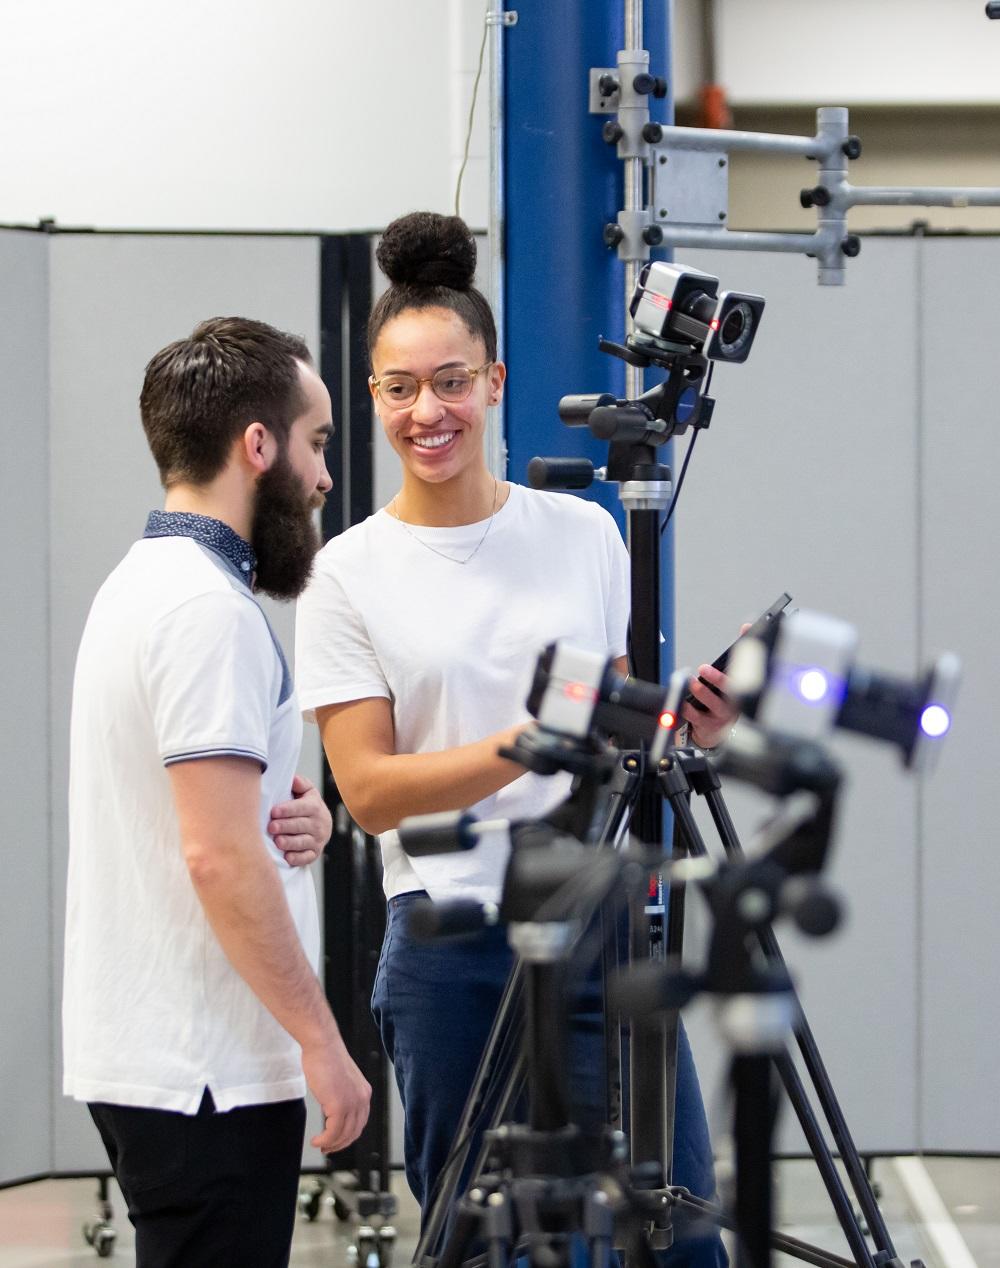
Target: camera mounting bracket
x,y
686,201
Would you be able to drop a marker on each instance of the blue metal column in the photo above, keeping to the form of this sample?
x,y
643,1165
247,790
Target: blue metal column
x,y
563,286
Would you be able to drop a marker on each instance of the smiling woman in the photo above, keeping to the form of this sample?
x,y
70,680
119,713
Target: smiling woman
x,y
415,646
434,412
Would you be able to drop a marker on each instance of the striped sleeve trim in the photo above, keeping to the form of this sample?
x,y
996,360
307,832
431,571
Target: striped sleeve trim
x,y
195,754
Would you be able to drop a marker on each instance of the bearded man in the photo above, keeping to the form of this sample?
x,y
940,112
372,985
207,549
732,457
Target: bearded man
x,y
193,1017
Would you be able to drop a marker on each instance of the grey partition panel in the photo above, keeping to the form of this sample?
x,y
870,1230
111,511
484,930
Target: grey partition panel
x,y
807,481
115,300
25,921
960,932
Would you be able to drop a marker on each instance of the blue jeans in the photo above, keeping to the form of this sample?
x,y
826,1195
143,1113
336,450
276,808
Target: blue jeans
x,y
434,1004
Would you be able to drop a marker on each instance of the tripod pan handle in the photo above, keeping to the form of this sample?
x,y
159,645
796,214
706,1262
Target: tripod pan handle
x,y
560,473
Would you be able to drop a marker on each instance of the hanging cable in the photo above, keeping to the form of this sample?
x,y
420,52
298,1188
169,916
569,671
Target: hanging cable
x,y
472,111
687,458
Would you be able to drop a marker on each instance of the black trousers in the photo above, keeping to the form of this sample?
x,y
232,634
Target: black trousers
x,y
207,1190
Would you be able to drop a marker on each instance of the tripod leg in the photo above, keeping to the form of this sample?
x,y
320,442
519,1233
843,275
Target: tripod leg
x,y
598,1228
817,1071
468,1219
499,1227
507,1027
753,1085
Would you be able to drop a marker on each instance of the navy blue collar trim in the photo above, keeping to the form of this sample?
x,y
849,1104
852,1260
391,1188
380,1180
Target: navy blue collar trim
x,y
208,532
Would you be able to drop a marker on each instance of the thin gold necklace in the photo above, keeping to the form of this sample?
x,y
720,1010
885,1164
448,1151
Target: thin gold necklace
x,y
451,558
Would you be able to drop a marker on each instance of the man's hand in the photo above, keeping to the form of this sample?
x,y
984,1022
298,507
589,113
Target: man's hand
x,y
711,723
343,1092
300,828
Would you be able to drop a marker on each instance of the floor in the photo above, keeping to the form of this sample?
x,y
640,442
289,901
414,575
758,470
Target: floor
x,y
945,1211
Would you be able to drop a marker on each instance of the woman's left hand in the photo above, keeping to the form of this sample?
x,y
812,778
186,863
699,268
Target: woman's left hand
x,y
300,828
710,725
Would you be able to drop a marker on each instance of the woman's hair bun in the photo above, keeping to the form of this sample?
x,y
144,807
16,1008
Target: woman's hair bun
x,y
427,249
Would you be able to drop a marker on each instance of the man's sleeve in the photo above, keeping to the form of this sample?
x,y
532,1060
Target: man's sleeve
x,y
214,679
334,657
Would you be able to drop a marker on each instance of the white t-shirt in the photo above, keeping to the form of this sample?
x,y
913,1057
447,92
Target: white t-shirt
x,y
454,647
177,663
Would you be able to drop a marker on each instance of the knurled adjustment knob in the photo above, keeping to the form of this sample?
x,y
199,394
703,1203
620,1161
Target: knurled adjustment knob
x,y
652,235
818,196
851,246
644,83
607,85
613,234
652,132
612,132
852,147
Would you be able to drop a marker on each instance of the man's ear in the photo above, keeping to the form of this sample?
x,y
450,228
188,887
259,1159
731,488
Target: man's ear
x,y
258,447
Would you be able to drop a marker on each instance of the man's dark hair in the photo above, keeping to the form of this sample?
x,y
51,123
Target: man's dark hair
x,y
201,393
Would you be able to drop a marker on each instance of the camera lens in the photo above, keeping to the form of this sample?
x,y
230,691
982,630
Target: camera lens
x,y
699,304
736,330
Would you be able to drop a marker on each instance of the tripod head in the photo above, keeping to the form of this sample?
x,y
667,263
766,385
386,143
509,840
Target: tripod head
x,y
744,897
681,324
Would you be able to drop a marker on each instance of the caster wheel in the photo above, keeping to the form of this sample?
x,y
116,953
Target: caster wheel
x,y
367,1247
386,1241
102,1237
104,1243
309,1200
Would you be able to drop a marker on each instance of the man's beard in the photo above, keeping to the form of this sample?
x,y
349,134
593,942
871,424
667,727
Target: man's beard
x,y
283,534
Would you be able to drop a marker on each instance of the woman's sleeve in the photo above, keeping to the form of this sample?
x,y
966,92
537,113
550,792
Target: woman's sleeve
x,y
619,598
334,658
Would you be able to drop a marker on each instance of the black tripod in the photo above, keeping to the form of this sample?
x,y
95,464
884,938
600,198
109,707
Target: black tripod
x,y
535,1184
678,774
635,430
540,1185
757,1002
687,771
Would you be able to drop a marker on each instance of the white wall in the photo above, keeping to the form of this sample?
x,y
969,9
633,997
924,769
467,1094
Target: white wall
x,y
327,114
26,921
812,52
239,114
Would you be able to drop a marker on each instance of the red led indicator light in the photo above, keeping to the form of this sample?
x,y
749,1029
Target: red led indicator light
x,y
714,323
668,720
579,691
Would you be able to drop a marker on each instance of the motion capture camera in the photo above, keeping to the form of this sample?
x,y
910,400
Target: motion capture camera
x,y
675,307
681,323
799,678
578,694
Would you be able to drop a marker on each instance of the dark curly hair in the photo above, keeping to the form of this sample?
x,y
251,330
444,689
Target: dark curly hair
x,y
430,261
200,393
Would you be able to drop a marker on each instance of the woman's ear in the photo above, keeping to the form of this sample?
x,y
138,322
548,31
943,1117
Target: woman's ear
x,y
498,373
376,399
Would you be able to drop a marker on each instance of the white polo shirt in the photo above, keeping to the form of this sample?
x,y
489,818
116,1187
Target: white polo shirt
x,y
177,663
